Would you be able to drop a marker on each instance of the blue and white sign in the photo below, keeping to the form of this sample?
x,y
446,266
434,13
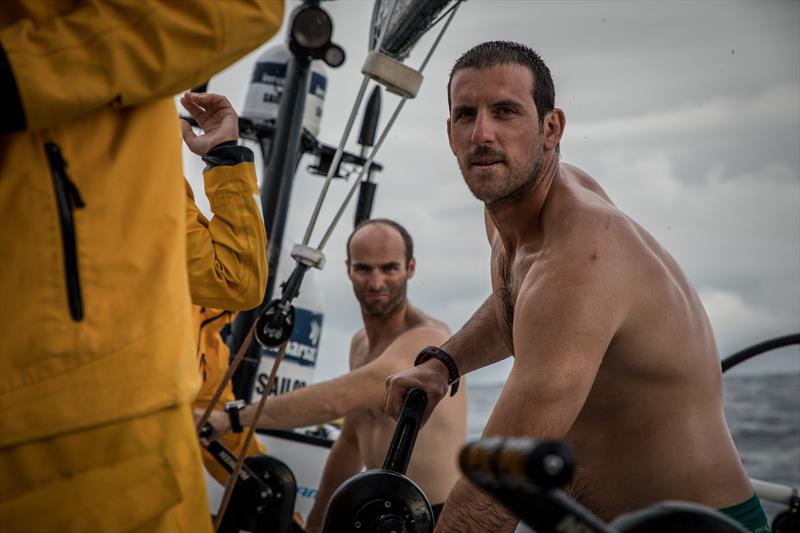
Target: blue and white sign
x,y
297,368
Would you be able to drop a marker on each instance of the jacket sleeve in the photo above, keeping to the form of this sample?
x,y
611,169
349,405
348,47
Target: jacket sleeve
x,y
227,255
107,53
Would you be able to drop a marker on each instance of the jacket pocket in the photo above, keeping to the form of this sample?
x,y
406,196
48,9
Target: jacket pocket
x,y
68,198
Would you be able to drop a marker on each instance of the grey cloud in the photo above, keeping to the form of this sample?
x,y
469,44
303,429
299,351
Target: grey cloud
x,y
740,134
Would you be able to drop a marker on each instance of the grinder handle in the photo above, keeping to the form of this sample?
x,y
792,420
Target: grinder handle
x,y
405,433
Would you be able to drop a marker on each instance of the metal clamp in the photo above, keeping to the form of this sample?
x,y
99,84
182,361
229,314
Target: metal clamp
x,y
397,77
308,256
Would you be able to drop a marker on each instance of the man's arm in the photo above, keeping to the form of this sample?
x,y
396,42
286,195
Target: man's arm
x,y
477,344
116,53
322,402
565,319
226,256
344,461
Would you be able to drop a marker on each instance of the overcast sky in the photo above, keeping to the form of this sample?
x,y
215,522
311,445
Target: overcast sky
x,y
687,113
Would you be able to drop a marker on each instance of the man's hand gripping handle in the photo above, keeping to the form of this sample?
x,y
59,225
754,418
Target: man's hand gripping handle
x,y
433,372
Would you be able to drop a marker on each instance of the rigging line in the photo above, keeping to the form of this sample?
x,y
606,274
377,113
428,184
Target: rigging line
x,y
336,158
385,132
234,476
345,135
248,340
364,170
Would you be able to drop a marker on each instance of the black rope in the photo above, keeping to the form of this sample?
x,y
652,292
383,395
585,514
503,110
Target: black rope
x,y
757,349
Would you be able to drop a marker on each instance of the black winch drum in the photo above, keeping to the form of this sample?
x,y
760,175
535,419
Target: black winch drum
x,y
384,500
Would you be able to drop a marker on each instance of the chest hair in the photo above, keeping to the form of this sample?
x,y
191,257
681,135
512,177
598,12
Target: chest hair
x,y
504,296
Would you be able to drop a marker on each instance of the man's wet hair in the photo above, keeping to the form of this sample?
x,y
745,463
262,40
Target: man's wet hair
x,y
407,240
492,53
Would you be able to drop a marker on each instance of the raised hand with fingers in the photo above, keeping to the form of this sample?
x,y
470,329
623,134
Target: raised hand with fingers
x,y
215,115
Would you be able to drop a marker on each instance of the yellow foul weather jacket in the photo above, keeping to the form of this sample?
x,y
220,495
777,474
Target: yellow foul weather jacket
x,y
96,361
226,256
227,269
212,357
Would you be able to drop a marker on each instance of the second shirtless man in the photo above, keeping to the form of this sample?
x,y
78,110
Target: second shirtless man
x,y
380,262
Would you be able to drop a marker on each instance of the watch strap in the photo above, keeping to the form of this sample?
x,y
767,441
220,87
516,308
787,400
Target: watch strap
x,y
434,352
233,408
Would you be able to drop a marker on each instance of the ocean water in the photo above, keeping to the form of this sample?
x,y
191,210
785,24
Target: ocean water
x,y
763,414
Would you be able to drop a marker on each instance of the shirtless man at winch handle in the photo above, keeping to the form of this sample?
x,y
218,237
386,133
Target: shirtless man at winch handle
x,y
613,351
380,262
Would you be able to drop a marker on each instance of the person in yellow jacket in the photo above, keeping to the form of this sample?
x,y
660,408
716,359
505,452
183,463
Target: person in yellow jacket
x,y
226,255
96,364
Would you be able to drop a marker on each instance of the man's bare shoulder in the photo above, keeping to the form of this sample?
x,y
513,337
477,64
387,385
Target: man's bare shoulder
x,y
411,341
430,332
583,179
584,222
592,260
589,250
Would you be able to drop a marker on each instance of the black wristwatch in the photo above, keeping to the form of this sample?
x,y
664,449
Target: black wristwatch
x,y
434,352
233,408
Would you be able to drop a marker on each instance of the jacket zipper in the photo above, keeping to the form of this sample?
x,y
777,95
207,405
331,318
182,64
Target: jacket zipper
x,y
68,198
206,322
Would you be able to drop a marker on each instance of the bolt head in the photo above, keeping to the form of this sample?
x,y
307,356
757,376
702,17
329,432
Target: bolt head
x,y
553,464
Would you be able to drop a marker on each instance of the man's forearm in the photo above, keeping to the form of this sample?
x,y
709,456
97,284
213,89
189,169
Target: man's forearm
x,y
307,406
479,342
469,510
226,257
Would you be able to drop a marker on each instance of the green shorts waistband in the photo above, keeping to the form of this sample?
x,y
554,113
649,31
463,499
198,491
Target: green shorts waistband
x,y
750,514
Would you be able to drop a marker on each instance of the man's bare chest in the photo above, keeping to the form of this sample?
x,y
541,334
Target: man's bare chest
x,y
362,355
373,431
508,276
